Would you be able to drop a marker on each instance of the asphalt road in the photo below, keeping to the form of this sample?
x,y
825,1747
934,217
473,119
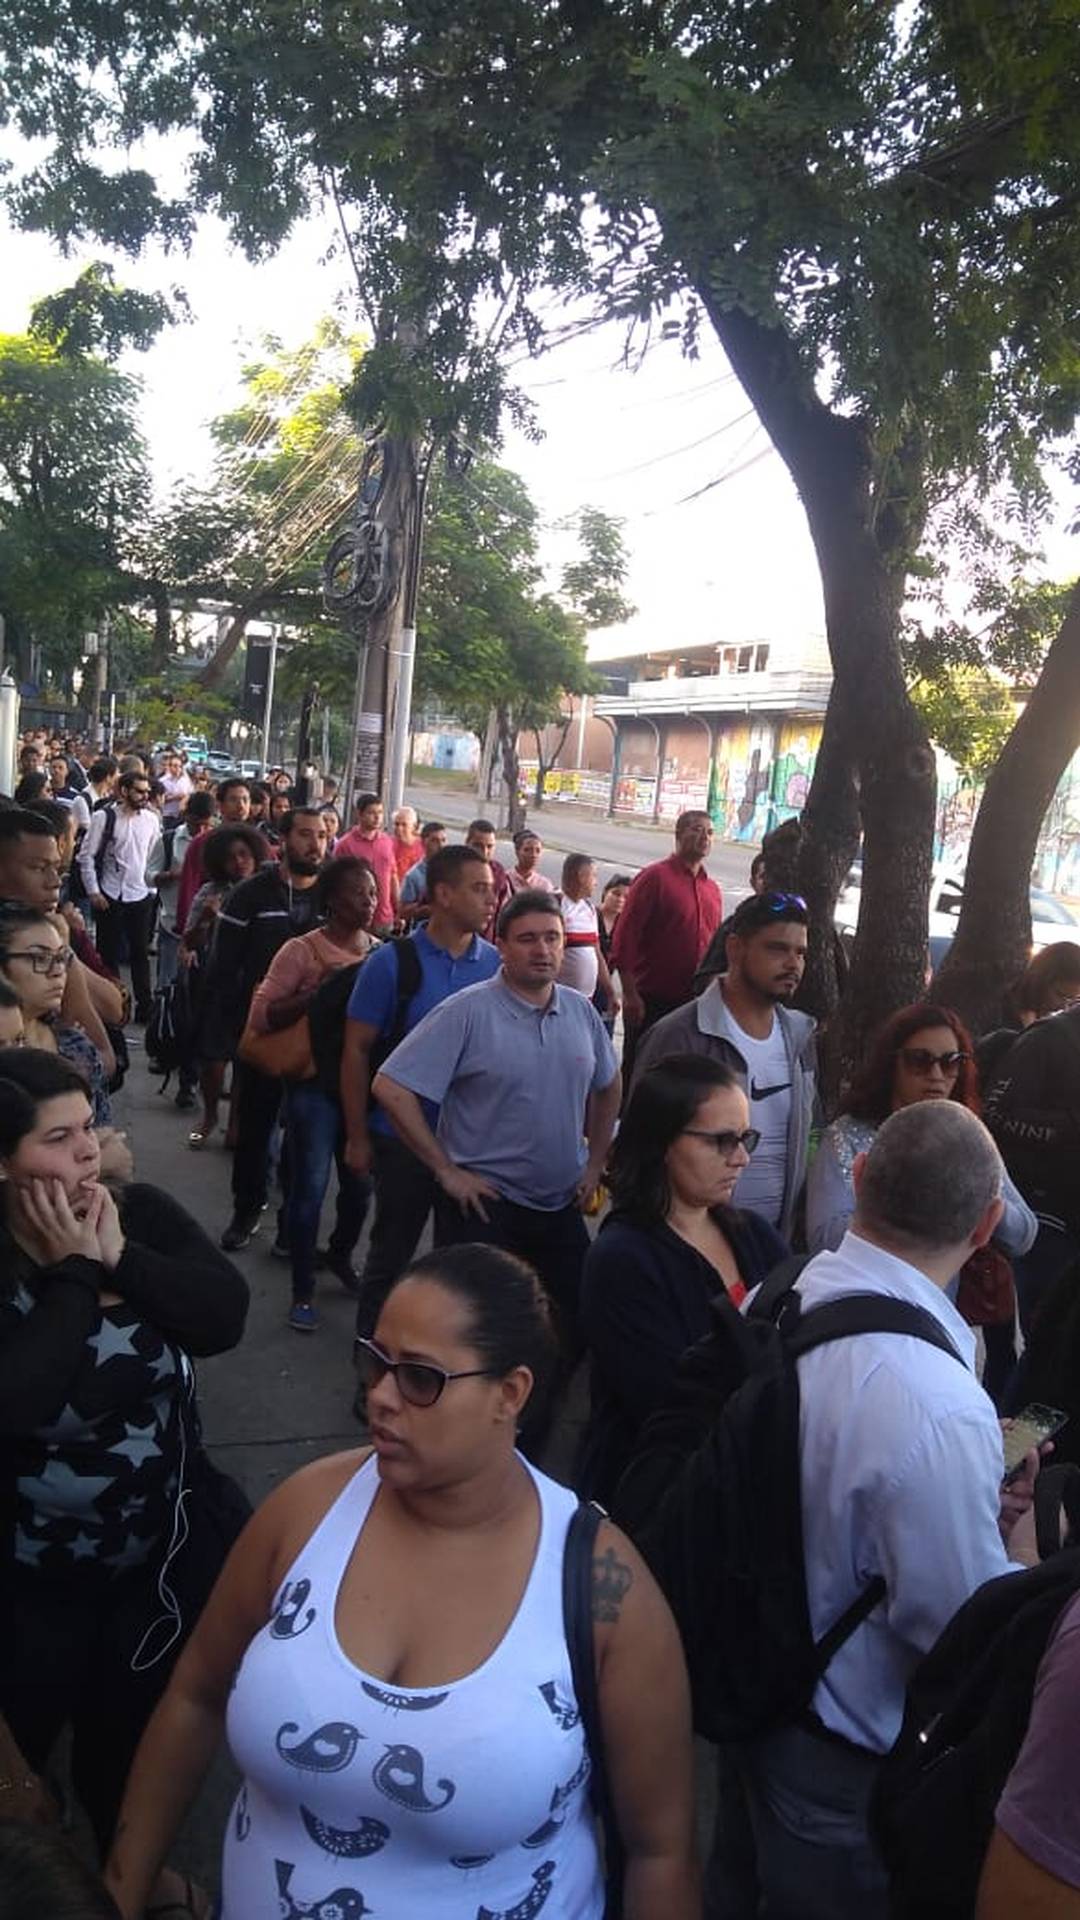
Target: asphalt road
x,y
617,847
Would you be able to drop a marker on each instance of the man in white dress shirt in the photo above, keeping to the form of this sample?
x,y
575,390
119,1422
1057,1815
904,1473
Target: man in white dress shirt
x,y
112,861
901,1468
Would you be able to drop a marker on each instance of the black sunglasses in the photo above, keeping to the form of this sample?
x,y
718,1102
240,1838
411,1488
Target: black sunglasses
x,y
417,1381
921,1060
729,1141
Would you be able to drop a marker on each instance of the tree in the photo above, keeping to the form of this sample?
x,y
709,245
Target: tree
x,y
494,641
73,480
875,208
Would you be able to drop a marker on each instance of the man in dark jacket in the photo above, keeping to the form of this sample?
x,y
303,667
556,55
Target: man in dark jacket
x,y
257,918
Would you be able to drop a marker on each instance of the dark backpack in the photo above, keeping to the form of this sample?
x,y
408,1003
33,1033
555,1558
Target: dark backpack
x,y
713,1500
968,1706
329,1008
170,1030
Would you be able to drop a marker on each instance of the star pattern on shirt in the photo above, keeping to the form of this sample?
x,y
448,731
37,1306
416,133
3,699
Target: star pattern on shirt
x,y
58,1486
65,1427
82,1547
138,1444
111,1343
27,1549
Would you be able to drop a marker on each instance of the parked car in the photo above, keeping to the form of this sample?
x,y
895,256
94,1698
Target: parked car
x,y
1051,918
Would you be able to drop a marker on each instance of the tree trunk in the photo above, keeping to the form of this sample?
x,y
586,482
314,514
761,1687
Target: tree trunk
x,y
515,811
993,935
862,544
162,647
823,848
541,771
214,671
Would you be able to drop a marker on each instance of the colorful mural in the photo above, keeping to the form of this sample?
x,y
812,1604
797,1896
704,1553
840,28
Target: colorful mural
x,y
761,775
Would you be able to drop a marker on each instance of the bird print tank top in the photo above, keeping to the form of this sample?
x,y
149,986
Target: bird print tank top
x,y
468,1801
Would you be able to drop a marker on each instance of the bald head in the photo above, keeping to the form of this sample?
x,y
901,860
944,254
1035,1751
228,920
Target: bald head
x,y
931,1181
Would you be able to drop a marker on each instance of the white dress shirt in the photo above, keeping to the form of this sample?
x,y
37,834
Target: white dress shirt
x,y
123,868
901,1467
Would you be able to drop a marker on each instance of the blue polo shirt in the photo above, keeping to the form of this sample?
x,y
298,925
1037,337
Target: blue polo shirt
x,y
512,1081
374,997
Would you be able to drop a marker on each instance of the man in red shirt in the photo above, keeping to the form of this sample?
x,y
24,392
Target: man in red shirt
x,y
672,911
367,841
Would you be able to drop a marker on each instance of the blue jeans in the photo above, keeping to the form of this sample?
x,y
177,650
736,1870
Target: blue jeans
x,y
315,1135
808,1800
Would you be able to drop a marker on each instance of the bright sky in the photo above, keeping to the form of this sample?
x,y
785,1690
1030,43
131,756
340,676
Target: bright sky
x,y
735,562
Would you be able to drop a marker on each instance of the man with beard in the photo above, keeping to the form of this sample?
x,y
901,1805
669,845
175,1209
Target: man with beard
x,y
257,918
745,1019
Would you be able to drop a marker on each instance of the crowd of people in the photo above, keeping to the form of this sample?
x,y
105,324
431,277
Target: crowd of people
x,y
450,1684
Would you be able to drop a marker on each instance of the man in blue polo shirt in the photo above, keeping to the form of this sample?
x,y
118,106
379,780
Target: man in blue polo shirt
x,y
527,1086
450,956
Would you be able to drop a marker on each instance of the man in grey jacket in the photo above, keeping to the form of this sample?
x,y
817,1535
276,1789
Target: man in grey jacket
x,y
744,1019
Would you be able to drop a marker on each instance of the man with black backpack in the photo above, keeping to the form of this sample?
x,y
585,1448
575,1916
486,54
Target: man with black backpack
x,y
824,1495
394,990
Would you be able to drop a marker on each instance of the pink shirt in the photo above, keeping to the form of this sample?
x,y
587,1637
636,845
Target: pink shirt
x,y
298,967
378,850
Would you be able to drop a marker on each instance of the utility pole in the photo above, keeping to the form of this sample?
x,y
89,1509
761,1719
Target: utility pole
x,y
268,710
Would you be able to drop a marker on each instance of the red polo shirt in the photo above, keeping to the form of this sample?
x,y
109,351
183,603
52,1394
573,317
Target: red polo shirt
x,y
662,932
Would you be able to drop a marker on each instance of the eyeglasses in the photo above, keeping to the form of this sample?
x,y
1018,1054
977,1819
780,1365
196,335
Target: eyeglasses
x,y
45,959
417,1382
729,1142
921,1060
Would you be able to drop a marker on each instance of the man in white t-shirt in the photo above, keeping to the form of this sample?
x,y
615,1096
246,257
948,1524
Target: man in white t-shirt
x,y
744,1019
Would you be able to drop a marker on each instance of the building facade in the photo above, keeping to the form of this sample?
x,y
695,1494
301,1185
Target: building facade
x,y
732,727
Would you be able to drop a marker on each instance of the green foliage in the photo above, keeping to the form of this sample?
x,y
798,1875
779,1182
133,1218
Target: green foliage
x,y
73,484
95,316
968,715
593,583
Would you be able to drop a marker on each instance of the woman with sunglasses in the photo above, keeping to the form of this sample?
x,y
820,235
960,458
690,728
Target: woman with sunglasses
x,y
386,1652
34,961
922,1053
672,1247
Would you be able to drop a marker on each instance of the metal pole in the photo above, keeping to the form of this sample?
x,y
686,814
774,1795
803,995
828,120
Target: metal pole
x,y
112,723
349,777
9,731
399,738
269,708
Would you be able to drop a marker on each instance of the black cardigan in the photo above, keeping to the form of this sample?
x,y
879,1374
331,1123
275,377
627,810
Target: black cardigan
x,y
647,1295
170,1272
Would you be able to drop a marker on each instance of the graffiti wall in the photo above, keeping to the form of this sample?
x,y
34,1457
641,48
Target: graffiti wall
x,y
761,775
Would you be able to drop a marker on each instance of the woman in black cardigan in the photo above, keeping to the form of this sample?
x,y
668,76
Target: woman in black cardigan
x,y
113,1528
671,1247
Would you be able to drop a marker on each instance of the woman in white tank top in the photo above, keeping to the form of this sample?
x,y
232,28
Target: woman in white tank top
x,y
386,1651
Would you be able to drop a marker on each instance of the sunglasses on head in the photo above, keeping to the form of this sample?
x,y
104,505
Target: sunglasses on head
x,y
418,1381
921,1060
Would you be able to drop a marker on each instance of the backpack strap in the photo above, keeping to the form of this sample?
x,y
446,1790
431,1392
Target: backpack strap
x,y
410,974
577,1583
841,1320
864,1313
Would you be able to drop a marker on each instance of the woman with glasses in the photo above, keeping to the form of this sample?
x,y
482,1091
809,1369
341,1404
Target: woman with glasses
x,y
34,961
101,1302
922,1053
672,1248
387,1654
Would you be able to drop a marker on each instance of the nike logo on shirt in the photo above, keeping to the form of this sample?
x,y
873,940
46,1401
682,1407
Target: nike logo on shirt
x,y
762,1093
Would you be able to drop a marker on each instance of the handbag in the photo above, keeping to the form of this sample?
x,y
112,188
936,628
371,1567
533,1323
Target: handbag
x,y
578,1627
284,1055
986,1295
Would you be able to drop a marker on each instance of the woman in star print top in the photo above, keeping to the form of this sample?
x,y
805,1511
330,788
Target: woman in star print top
x,y
100,1306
